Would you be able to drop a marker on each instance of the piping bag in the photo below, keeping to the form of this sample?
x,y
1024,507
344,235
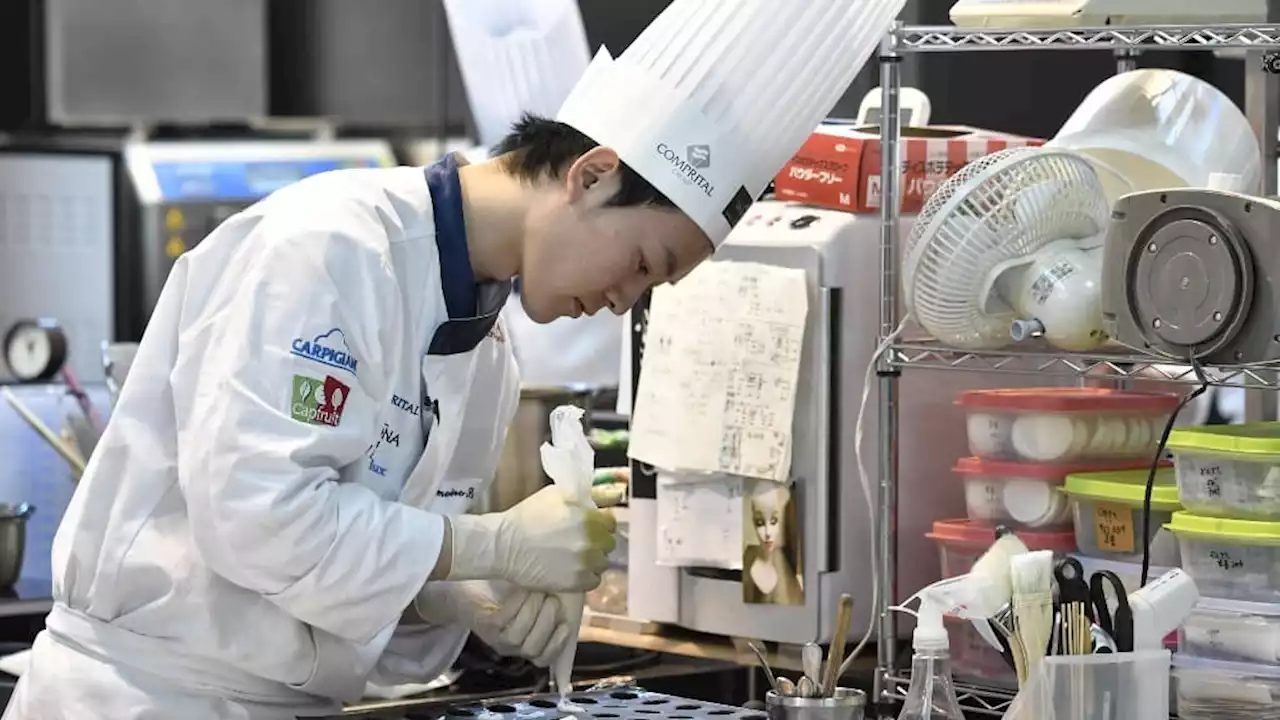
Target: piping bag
x,y
570,463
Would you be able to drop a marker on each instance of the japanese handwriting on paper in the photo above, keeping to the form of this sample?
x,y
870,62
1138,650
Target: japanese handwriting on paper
x,y
1113,527
1224,560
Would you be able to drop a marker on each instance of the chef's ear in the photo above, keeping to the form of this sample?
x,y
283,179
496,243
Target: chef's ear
x,y
595,170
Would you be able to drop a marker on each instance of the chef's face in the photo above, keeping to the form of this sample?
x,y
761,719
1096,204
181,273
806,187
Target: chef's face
x,y
582,255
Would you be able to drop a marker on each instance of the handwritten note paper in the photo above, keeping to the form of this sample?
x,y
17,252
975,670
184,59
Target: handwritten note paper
x,y
721,363
1114,527
700,521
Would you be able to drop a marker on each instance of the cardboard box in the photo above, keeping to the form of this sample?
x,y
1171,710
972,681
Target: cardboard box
x,y
838,167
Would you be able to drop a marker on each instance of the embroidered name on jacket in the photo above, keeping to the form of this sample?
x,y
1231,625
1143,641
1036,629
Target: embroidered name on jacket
x,y
327,348
318,402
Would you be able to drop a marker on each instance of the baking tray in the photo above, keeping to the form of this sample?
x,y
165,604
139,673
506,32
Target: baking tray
x,y
626,703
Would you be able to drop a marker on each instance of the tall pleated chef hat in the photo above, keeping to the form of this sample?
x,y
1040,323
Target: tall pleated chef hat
x,y
716,95
516,56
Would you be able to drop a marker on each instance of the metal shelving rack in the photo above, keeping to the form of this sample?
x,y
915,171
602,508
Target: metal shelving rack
x,y
1261,83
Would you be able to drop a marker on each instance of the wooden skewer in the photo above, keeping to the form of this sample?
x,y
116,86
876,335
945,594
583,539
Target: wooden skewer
x,y
59,446
840,634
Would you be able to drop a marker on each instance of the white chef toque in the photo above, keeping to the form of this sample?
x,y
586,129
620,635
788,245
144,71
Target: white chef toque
x,y
716,95
516,57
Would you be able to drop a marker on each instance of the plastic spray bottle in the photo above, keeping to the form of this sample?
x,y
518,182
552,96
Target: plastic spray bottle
x,y
932,695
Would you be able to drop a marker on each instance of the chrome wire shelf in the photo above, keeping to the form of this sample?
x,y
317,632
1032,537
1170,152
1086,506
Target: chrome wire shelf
x,y
1102,366
1159,37
975,701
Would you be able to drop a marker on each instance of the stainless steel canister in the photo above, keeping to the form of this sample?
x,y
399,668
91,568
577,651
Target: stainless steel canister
x,y
13,540
845,704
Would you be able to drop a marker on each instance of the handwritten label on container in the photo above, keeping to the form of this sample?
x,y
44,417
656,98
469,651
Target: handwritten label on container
x,y
1113,527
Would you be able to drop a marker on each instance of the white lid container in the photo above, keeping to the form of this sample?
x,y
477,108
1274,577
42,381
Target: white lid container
x,y
1207,689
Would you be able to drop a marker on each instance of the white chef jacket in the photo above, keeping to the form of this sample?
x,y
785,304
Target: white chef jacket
x,y
322,378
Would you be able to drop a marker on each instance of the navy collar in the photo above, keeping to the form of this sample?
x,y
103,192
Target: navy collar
x,y
473,308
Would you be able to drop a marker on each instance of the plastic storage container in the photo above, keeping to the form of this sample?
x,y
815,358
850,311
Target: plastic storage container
x,y
1232,630
1230,471
1107,510
973,660
1230,559
1130,574
1208,689
1023,495
962,542
1060,425
1113,686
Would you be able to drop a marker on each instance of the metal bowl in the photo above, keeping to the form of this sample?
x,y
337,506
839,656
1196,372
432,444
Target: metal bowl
x,y
13,540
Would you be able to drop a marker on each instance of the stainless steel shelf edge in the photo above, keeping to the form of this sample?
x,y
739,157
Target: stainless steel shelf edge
x,y
1157,37
1113,366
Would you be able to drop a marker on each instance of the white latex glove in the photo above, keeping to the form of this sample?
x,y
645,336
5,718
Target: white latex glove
x,y
512,621
543,543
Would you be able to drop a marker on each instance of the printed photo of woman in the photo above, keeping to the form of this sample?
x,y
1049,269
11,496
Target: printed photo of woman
x,y
772,572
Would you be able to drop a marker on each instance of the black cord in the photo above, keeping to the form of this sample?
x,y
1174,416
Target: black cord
x,y
1155,464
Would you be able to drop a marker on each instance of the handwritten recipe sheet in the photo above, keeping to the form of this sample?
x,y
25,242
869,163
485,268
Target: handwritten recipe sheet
x,y
721,363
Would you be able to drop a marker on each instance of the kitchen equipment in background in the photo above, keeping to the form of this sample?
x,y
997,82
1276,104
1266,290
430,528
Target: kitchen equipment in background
x,y
132,62
1229,471
104,218
1100,13
520,467
1206,689
35,350
838,254
1233,630
13,540
617,701
1011,247
1190,275
962,542
1154,128
914,108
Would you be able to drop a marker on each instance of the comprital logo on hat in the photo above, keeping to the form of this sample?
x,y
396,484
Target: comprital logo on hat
x,y
688,168
699,156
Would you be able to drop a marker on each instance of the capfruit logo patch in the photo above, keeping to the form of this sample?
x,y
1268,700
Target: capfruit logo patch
x,y
327,348
318,402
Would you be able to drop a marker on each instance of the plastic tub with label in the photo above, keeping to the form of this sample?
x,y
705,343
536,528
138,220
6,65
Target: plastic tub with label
x,y
1207,689
1232,630
962,542
1021,495
1230,471
1108,514
1060,425
1230,559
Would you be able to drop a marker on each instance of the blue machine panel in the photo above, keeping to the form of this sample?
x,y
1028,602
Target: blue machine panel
x,y
240,180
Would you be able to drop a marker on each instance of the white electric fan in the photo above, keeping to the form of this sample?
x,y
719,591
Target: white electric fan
x,y
1008,248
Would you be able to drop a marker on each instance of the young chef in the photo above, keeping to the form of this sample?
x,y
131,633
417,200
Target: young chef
x,y
276,512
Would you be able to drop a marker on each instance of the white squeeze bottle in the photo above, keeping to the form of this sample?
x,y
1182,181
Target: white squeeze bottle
x,y
933,694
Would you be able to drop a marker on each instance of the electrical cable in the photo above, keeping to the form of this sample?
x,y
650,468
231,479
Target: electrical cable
x,y
1159,456
865,480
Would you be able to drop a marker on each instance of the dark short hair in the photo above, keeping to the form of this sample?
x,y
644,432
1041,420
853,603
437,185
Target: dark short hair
x,y
537,149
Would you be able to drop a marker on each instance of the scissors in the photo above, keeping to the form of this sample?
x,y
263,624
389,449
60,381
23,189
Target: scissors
x,y
1117,624
1072,586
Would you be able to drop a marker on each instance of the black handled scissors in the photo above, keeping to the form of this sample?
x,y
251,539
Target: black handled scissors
x,y
1119,625
1072,586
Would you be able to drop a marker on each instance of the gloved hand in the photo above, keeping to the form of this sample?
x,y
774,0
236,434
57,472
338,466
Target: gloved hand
x,y
543,543
512,621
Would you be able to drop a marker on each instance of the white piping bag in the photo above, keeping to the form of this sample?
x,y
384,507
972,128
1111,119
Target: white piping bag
x,y
570,462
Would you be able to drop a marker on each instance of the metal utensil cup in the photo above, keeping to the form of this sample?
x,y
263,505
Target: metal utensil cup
x,y
844,704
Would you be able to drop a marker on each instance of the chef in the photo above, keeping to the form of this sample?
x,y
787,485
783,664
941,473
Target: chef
x,y
276,513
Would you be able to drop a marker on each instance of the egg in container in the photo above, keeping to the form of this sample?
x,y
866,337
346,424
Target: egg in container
x,y
1065,425
1020,494
1229,471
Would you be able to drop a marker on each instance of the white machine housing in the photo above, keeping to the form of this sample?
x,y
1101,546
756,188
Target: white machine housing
x,y
89,228
1099,13
840,253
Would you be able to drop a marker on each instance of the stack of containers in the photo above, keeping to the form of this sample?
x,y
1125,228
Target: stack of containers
x,y
1228,665
1025,444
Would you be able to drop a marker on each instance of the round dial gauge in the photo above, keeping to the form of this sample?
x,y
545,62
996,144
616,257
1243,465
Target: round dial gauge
x,y
35,350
